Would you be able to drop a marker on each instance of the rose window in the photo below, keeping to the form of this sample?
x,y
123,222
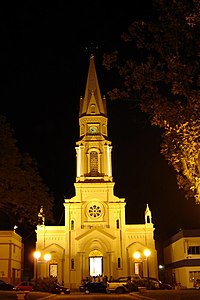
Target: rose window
x,y
95,211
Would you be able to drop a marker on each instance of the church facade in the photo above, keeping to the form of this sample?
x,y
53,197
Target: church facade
x,y
95,239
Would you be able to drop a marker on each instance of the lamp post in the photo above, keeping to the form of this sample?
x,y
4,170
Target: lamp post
x,y
137,260
37,255
136,255
147,253
47,257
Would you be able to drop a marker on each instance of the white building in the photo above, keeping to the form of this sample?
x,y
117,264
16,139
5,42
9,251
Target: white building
x,y
182,258
95,239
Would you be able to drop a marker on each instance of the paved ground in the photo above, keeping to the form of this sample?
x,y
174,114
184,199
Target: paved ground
x,y
168,295
147,295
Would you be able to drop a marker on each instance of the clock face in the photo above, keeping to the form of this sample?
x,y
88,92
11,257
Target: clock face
x,y
93,129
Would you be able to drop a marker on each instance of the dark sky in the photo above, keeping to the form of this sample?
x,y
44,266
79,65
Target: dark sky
x,y
44,66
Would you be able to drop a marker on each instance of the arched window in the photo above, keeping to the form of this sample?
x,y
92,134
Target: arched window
x,y
94,163
118,263
92,109
148,219
117,223
72,224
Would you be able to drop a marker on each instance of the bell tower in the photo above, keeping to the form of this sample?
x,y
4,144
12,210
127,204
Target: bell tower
x,y
93,150
94,204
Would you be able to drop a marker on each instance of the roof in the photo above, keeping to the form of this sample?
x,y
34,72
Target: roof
x,y
181,234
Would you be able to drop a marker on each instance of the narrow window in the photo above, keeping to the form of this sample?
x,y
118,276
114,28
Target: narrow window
x,y
148,219
72,264
94,163
72,224
118,263
117,223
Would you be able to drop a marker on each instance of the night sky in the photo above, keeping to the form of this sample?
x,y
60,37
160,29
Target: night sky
x,y
44,67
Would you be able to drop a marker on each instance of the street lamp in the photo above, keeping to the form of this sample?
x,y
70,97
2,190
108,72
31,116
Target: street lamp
x,y
136,255
37,255
147,253
137,261
47,257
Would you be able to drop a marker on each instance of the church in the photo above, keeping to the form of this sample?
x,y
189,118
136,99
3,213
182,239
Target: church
x,y
95,239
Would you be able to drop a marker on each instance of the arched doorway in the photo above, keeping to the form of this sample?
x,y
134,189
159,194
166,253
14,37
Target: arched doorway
x,y
96,263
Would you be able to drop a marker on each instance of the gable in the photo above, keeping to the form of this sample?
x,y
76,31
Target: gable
x,y
95,232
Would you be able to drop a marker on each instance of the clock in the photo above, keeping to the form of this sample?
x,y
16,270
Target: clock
x,y
93,129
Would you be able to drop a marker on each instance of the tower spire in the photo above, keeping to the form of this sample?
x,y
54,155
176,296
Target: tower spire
x,y
92,103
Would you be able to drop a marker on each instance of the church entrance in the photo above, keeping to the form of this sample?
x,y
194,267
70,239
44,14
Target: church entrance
x,y
96,263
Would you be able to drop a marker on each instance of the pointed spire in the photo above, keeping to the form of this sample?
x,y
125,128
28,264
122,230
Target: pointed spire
x,y
92,103
148,216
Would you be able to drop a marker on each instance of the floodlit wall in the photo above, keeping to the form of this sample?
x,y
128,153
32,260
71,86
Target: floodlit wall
x,y
11,262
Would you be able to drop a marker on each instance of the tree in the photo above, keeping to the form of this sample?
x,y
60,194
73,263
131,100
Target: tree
x,y
161,75
22,191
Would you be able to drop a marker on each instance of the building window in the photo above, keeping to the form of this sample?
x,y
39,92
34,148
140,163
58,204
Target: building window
x,y
72,224
193,275
194,250
117,223
94,163
72,264
118,263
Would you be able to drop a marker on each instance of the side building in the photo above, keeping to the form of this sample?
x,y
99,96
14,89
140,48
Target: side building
x,y
11,256
95,239
182,258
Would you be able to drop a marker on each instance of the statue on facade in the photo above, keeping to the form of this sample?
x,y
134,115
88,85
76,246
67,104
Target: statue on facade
x,y
41,216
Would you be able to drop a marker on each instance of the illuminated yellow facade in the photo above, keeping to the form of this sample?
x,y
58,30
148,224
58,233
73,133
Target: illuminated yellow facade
x,y
11,253
95,239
